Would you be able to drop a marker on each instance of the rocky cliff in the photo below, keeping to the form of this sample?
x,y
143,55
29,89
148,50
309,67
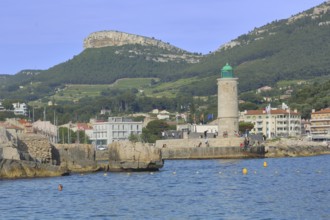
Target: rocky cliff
x,y
116,38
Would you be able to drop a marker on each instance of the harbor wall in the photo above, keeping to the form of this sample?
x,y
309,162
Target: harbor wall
x,y
212,153
215,148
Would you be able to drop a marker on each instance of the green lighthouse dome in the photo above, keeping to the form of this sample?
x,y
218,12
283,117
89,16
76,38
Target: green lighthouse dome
x,y
227,71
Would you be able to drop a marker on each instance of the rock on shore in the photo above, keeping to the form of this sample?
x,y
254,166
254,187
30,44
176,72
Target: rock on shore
x,y
295,148
134,157
76,157
23,169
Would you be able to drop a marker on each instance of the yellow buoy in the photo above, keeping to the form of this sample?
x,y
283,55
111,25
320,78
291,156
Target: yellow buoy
x,y
265,164
244,171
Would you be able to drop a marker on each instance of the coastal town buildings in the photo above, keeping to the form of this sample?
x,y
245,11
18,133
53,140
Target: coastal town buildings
x,y
115,129
274,123
320,124
18,108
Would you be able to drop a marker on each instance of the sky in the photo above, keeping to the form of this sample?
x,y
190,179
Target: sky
x,y
38,34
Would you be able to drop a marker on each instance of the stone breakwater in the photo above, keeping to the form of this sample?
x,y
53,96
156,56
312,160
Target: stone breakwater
x,y
295,148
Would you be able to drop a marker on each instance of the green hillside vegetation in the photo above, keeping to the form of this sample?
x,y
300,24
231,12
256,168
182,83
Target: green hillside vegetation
x,y
106,65
75,92
311,96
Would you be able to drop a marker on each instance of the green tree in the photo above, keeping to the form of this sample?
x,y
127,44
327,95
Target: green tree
x,y
245,126
8,104
153,131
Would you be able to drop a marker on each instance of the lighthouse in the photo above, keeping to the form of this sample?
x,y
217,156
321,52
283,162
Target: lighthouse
x,y
227,103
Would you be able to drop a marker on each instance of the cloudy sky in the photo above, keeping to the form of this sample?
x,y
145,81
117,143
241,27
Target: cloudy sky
x,y
38,34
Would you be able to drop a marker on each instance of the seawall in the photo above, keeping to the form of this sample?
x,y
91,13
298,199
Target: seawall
x,y
214,148
212,153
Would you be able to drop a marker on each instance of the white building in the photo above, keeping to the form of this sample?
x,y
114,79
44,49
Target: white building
x,y
115,129
275,123
20,108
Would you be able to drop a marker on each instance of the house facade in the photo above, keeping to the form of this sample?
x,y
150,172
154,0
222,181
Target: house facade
x,y
115,129
320,122
275,123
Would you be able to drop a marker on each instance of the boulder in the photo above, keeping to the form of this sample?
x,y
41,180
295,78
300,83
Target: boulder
x,y
23,169
75,157
129,156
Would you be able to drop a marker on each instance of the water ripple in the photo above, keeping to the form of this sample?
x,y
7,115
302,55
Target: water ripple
x,y
289,188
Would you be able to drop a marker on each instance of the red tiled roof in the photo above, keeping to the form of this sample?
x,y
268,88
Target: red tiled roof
x,y
83,126
273,112
323,111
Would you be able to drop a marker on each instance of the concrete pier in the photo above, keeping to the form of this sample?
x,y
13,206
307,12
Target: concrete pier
x,y
224,148
213,153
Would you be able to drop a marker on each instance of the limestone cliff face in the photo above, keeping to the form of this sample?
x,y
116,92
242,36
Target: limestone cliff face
x,y
115,38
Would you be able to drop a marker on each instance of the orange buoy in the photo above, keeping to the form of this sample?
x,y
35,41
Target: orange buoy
x,y
265,164
244,171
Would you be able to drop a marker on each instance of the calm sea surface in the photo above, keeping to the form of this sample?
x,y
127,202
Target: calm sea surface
x,y
289,188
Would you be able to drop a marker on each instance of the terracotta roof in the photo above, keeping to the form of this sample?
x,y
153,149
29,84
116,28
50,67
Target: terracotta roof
x,y
273,112
323,111
83,126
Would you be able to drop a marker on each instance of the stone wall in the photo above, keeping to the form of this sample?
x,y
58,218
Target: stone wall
x,y
200,142
212,153
35,146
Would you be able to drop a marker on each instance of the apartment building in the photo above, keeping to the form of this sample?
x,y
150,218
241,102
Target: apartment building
x,y
115,129
320,122
273,123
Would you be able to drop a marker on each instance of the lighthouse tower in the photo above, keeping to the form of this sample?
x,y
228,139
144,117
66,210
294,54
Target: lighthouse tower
x,y
227,103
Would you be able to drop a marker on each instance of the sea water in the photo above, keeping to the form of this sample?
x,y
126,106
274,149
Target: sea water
x,y
288,188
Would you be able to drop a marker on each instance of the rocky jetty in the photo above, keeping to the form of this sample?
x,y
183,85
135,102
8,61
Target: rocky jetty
x,y
32,155
128,156
10,169
295,148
